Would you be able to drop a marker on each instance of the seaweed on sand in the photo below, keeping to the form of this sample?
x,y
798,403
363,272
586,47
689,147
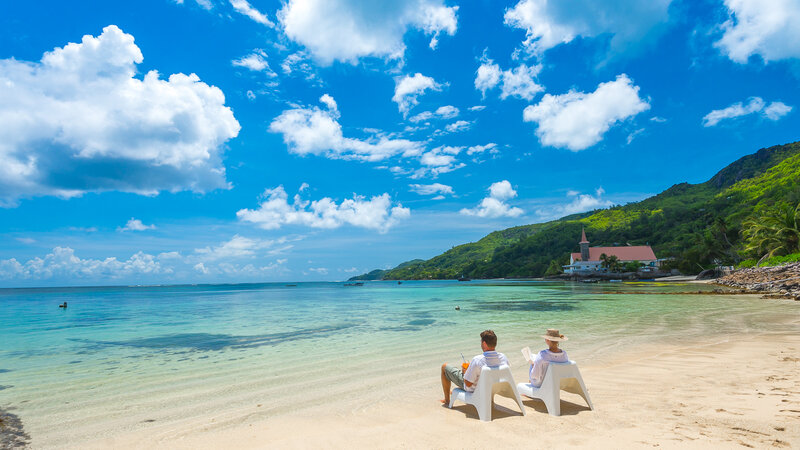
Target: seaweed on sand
x,y
12,434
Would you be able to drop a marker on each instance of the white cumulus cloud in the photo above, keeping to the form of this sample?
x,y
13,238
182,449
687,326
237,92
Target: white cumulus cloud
x,y
442,112
458,126
488,76
438,161
495,204
346,30
243,7
62,263
770,29
755,105
579,203
549,23
256,61
240,247
517,82
430,189
490,147
408,88
317,131
275,211
578,120
81,121
136,225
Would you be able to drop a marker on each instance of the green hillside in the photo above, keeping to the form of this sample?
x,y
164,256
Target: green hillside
x,y
697,224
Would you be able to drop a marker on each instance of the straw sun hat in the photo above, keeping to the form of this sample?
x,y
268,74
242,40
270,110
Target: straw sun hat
x,y
553,335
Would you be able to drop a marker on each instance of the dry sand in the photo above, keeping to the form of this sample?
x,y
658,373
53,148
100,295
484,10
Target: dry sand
x,y
726,392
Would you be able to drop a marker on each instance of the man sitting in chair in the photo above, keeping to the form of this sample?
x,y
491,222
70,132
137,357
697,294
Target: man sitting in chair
x,y
466,376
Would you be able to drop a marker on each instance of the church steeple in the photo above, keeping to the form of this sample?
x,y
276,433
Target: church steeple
x,y
584,243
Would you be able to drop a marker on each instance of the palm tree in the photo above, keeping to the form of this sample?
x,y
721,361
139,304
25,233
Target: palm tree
x,y
604,260
609,262
775,232
613,263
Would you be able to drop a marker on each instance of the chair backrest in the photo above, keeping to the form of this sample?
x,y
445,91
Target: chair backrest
x,y
491,375
563,376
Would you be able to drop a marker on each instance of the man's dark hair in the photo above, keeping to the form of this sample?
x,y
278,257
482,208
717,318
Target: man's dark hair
x,y
490,338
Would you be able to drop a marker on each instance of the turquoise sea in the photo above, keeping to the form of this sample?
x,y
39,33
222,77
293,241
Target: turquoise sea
x,y
121,359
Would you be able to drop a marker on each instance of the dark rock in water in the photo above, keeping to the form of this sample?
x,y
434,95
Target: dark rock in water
x,y
708,274
12,434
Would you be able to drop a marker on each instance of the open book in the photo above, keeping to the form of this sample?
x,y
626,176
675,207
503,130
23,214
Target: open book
x,y
526,352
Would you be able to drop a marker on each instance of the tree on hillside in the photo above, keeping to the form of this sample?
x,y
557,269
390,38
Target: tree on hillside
x,y
553,269
775,232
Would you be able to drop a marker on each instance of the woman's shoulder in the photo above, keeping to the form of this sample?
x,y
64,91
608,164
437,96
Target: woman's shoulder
x,y
547,354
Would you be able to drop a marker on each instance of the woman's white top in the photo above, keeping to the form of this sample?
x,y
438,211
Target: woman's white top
x,y
540,363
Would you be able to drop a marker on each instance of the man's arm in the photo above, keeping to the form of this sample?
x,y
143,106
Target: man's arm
x,y
464,372
470,374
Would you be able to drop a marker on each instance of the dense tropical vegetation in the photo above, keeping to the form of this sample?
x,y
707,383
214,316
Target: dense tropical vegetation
x,y
742,213
774,232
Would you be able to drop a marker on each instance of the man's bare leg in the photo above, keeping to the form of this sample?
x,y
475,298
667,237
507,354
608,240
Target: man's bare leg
x,y
445,387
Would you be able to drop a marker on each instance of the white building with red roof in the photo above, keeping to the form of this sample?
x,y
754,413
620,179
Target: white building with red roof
x,y
588,259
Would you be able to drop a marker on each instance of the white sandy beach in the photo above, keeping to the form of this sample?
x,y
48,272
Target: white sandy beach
x,y
729,392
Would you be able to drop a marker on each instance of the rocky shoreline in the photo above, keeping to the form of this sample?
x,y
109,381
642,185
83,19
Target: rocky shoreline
x,y
776,282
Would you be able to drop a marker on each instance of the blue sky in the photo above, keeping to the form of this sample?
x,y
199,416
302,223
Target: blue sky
x,y
241,141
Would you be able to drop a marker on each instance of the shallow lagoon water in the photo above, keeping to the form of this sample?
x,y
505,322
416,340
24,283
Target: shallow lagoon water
x,y
121,357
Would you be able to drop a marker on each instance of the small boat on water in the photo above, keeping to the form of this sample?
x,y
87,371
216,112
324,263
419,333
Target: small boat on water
x,y
463,278
354,284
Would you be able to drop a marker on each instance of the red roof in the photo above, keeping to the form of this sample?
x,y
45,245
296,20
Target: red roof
x,y
583,237
627,253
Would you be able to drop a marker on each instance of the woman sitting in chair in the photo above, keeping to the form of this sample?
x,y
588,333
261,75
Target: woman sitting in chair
x,y
546,356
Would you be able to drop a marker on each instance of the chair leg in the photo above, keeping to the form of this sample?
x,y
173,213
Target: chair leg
x,y
553,403
584,393
519,399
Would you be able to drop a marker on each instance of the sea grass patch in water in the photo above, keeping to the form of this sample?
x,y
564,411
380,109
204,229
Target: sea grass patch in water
x,y
422,322
525,305
12,433
213,342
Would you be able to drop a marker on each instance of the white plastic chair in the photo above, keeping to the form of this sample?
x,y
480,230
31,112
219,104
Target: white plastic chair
x,y
558,376
492,381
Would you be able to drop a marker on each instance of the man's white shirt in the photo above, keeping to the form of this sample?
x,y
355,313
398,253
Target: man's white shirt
x,y
490,358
